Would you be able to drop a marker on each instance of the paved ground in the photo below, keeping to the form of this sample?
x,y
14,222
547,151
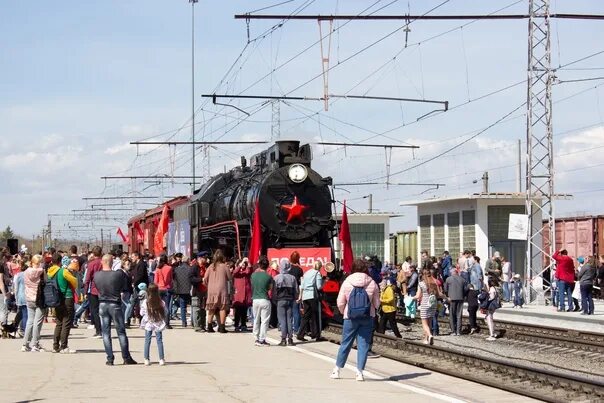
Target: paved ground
x,y
218,368
548,316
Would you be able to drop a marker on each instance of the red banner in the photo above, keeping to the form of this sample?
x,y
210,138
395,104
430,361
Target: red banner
x,y
308,256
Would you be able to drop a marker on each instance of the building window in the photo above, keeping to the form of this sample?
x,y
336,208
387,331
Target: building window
x,y
424,227
469,229
368,239
454,241
499,221
439,233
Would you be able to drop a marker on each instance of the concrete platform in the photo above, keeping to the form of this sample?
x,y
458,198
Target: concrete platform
x,y
219,368
549,316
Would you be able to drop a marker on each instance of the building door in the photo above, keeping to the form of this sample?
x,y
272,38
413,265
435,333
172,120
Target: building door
x,y
513,251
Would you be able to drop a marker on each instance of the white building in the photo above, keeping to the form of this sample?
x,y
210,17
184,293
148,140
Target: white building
x,y
472,222
369,233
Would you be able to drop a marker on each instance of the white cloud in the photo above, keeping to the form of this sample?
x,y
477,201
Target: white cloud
x,y
120,148
134,131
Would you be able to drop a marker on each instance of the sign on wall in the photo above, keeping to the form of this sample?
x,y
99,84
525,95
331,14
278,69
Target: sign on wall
x,y
179,238
518,227
308,256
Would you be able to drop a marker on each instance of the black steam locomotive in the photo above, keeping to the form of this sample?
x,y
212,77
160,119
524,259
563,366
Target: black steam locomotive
x,y
294,203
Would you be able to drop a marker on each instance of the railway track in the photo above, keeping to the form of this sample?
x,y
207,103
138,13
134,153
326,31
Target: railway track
x,y
550,386
585,342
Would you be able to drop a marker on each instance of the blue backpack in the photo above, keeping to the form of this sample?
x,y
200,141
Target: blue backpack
x,y
359,305
51,293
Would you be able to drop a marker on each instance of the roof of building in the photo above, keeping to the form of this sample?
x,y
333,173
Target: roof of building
x,y
473,196
379,214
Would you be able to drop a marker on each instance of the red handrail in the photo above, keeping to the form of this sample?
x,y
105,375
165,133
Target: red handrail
x,y
234,223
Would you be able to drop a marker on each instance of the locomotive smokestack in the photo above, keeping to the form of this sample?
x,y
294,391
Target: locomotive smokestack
x,y
243,162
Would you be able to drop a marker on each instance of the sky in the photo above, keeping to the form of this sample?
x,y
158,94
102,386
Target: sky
x,y
81,80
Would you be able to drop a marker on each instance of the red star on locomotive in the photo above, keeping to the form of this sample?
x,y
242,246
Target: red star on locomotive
x,y
295,211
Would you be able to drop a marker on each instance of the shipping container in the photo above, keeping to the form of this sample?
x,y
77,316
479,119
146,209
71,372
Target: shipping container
x,y
580,236
406,245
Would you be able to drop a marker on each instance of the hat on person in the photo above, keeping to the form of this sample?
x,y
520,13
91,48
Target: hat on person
x,y
203,253
142,287
496,254
516,275
581,259
65,261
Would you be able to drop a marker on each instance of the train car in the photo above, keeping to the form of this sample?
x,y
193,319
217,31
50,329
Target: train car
x,y
580,236
294,203
142,227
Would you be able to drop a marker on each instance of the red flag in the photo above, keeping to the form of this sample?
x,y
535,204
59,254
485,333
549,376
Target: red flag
x,y
162,229
346,243
256,244
139,230
121,234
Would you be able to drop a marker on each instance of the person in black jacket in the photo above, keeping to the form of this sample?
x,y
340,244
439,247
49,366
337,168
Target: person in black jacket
x,y
138,274
183,278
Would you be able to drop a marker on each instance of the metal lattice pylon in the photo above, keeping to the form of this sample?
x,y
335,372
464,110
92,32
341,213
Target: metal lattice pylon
x,y
276,119
539,149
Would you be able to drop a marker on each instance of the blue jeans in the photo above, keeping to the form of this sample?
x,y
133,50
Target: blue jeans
x,y
564,288
435,328
80,311
587,301
166,296
113,313
361,330
506,291
160,343
183,300
127,305
23,310
296,316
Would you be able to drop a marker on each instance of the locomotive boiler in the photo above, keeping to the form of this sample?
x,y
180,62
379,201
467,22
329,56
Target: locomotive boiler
x,y
294,203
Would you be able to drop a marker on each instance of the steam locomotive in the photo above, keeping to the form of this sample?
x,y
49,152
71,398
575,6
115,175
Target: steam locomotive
x,y
294,203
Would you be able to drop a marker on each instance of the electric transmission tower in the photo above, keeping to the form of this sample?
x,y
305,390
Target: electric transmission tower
x,y
539,157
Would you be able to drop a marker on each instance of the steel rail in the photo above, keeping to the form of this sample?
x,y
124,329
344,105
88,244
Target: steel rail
x,y
537,383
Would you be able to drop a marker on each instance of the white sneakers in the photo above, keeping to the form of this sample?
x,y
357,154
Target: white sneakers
x,y
335,374
25,349
491,338
161,362
67,351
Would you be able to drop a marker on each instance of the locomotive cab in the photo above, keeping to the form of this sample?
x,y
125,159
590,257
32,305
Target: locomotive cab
x,y
282,153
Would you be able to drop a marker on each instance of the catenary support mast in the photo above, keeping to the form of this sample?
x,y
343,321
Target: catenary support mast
x,y
539,148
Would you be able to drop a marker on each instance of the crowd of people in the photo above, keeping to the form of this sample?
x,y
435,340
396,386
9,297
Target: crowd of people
x,y
211,293
587,273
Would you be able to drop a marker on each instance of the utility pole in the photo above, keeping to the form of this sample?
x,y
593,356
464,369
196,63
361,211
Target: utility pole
x,y
370,200
519,168
539,145
193,91
485,182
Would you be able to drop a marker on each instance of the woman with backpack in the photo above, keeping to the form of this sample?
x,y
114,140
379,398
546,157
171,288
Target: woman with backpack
x,y
427,294
489,303
358,301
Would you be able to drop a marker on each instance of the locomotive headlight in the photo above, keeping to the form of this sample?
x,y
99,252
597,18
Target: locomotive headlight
x,y
297,173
